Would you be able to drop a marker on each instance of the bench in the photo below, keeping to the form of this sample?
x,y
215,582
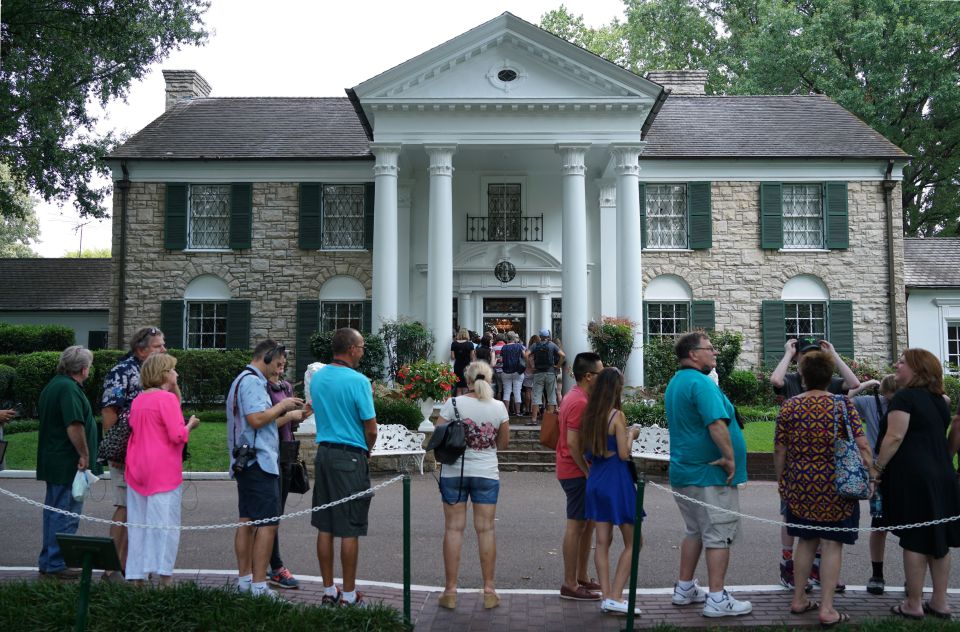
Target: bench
x,y
653,444
398,440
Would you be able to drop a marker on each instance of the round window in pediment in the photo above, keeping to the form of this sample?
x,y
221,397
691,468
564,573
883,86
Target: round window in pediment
x,y
507,74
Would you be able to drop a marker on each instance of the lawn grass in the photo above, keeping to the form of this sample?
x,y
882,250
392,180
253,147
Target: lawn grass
x,y
759,436
44,605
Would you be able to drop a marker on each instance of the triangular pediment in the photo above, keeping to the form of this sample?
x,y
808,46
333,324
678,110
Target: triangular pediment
x,y
506,60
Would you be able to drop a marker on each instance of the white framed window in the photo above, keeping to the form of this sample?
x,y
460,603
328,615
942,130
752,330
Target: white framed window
x,y
952,359
803,216
208,218
343,223
343,304
806,320
205,313
666,216
667,302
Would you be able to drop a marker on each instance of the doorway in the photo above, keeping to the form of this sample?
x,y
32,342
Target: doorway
x,y
506,314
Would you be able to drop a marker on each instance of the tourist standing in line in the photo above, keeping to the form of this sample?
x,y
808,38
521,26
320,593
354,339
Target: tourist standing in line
x,y
462,354
546,357
512,365
707,461
280,389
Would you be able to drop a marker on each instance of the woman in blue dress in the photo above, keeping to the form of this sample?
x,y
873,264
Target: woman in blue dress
x,y
611,496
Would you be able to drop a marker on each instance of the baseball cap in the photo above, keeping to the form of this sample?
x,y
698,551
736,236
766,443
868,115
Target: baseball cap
x,y
544,333
808,343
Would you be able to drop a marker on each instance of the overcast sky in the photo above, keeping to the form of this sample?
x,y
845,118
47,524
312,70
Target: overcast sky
x,y
298,48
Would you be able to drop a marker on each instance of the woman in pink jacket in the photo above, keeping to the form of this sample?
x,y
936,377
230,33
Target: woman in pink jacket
x,y
155,470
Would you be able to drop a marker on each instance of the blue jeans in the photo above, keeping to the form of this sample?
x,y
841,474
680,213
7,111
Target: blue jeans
x,y
60,496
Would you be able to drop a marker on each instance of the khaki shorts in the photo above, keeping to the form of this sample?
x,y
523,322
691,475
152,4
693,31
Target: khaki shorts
x,y
119,486
716,529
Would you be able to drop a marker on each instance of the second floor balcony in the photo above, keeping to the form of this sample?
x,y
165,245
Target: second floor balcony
x,y
515,228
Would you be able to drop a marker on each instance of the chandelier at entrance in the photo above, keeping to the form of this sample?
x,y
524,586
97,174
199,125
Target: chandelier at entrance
x,y
505,271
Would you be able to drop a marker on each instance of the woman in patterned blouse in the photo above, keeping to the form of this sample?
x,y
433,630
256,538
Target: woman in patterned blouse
x,y
804,462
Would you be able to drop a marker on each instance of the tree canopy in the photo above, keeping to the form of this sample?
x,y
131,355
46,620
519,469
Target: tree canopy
x,y
893,63
59,59
19,226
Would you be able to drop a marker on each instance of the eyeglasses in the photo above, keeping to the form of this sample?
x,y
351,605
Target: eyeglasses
x,y
147,334
704,349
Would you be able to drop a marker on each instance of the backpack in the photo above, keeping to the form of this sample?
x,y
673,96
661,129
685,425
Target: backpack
x,y
543,358
512,355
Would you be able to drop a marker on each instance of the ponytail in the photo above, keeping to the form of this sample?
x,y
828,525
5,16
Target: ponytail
x,y
479,374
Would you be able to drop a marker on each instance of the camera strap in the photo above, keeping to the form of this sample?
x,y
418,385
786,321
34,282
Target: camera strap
x,y
236,406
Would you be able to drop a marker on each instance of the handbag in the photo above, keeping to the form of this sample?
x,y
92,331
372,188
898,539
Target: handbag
x,y
114,445
299,479
550,430
852,478
449,441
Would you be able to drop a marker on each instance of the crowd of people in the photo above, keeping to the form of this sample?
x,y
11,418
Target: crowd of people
x,y
903,433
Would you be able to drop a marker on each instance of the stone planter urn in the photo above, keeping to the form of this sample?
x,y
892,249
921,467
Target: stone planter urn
x,y
426,409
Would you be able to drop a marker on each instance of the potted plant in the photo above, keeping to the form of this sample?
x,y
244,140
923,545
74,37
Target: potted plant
x,y
427,382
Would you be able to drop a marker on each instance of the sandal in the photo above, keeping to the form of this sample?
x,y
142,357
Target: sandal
x,y
898,611
810,607
448,601
491,600
928,609
842,617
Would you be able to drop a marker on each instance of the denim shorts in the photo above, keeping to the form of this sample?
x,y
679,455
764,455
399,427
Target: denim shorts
x,y
576,491
482,491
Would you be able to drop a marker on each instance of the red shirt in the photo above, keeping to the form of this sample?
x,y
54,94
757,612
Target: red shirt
x,y
571,409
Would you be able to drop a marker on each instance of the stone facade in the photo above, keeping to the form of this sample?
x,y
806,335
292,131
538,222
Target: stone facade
x,y
737,274
273,275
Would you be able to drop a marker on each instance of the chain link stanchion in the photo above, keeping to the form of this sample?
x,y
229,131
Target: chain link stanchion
x,y
229,525
406,550
635,554
779,523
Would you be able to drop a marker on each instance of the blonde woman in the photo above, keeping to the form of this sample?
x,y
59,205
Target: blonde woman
x,y
461,352
475,477
154,470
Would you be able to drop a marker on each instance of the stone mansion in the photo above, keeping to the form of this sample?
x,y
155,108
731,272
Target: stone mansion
x,y
509,178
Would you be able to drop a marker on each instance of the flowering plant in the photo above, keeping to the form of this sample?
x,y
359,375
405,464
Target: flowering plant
x,y
426,380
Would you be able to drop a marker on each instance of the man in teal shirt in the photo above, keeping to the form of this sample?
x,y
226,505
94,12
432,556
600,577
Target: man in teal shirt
x,y
708,458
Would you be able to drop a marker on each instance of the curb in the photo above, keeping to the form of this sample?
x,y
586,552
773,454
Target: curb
x,y
187,476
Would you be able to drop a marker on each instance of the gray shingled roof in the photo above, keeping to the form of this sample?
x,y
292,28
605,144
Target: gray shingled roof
x,y
260,128
762,126
29,285
931,262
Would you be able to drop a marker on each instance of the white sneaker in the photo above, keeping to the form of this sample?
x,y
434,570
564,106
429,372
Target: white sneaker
x,y
244,586
694,594
266,592
726,607
617,607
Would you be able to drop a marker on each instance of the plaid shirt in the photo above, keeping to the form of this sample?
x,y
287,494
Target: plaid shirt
x,y
122,384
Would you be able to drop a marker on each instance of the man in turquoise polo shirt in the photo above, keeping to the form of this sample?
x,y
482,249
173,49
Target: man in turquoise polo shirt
x,y
708,459
346,431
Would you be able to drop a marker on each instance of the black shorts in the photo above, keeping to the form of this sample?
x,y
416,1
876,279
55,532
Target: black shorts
x,y
341,471
576,491
258,494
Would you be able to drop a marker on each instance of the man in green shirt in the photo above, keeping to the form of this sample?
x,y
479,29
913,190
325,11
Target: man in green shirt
x,y
67,443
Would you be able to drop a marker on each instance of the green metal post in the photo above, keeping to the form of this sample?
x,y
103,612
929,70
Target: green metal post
x,y
83,602
406,549
635,556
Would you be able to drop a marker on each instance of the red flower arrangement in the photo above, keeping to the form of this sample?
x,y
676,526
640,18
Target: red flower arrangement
x,y
426,380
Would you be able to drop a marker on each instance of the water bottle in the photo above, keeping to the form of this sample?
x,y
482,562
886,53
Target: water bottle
x,y
876,505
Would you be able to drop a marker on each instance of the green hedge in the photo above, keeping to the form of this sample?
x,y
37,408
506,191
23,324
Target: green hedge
x,y
31,338
398,411
9,359
205,376
33,372
7,375
374,355
21,425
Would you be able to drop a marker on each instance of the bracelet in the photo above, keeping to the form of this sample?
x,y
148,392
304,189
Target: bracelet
x,y
874,480
879,468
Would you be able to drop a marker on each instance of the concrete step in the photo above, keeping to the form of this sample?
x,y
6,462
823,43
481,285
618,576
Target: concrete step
x,y
526,467
532,445
525,456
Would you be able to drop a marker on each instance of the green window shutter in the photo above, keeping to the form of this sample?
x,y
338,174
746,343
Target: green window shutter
x,y
700,224
369,193
841,326
367,317
171,323
643,215
773,319
771,215
838,223
310,216
308,322
241,217
703,315
646,323
175,217
238,324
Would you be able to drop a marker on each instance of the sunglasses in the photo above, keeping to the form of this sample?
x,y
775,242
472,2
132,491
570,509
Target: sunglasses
x,y
278,350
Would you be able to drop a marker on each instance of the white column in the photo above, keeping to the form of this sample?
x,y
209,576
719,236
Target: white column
x,y
465,310
546,313
404,195
574,267
626,161
440,249
608,248
385,235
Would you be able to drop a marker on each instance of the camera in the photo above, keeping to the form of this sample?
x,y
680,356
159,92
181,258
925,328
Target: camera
x,y
242,456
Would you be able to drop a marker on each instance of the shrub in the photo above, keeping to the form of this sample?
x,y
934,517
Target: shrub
x,y
32,338
398,411
728,345
405,342
103,361
612,338
660,361
426,380
951,384
7,375
33,372
9,359
645,415
866,370
21,425
742,387
374,356
206,375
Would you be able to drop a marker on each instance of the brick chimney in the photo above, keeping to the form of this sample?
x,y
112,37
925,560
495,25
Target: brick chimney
x,y
184,84
681,82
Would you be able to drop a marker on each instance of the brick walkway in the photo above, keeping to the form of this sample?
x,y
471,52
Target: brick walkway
x,y
529,611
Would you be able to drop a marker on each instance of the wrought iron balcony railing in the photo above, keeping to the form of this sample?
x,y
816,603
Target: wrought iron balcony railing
x,y
522,228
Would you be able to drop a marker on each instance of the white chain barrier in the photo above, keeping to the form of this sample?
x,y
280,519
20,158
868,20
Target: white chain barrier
x,y
779,523
231,525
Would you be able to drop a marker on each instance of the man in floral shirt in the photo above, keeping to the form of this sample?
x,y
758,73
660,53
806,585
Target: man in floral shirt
x,y
120,387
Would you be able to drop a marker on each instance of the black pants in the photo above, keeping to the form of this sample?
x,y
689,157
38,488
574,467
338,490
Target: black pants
x,y
285,474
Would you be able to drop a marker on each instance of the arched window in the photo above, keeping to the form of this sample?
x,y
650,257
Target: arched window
x,y
805,300
669,309
205,308
343,304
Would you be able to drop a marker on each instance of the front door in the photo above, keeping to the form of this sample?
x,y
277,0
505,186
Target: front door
x,y
506,314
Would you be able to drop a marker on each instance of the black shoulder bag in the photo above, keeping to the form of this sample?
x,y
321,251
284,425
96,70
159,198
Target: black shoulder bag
x,y
448,443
